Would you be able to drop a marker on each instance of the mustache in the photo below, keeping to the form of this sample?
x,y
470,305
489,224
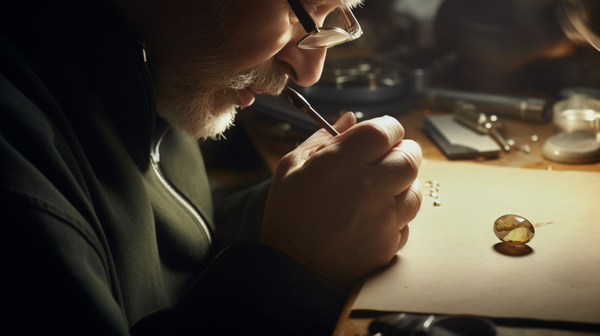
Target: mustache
x,y
269,78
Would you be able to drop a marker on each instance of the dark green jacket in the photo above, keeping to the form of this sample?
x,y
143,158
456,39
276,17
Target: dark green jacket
x,y
93,241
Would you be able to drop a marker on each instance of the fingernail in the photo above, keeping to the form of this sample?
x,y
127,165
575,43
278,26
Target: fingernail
x,y
344,119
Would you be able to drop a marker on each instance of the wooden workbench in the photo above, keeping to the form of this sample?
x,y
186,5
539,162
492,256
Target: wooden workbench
x,y
272,140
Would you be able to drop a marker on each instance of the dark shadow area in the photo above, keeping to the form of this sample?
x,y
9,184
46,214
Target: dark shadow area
x,y
513,250
233,163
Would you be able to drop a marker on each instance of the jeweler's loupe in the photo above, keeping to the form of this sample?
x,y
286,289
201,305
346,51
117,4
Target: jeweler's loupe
x,y
577,123
432,325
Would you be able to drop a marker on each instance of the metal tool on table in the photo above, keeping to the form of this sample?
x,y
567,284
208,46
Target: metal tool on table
x,y
523,108
470,116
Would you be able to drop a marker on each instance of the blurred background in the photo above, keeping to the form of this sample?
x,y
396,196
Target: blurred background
x,y
524,49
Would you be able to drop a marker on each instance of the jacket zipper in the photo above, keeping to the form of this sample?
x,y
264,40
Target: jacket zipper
x,y
181,199
154,155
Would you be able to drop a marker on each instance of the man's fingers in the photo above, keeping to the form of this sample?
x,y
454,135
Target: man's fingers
x,y
402,238
345,122
408,204
315,142
321,136
370,140
399,168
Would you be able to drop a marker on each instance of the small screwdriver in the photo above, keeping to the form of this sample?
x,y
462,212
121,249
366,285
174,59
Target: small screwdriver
x,y
467,114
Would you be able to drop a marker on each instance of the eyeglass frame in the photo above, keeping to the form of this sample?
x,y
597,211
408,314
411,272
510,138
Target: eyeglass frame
x,y
353,28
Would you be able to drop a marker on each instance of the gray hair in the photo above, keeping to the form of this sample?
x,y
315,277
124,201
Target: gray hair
x,y
350,3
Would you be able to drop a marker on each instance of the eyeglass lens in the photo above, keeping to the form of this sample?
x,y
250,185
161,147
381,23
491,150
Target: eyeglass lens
x,y
325,38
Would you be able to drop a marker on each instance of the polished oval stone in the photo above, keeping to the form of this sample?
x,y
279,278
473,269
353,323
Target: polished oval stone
x,y
514,229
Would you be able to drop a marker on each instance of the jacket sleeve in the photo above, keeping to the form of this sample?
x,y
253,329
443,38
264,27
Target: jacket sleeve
x,y
250,289
55,279
239,214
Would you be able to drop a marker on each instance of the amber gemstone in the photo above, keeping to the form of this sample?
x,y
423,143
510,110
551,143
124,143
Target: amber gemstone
x,y
514,229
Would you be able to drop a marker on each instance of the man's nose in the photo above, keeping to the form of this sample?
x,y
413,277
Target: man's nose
x,y
305,66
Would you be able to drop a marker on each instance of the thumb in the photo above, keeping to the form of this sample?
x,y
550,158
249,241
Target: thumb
x,y
321,136
345,122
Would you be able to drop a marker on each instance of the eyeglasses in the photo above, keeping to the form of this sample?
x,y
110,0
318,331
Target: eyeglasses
x,y
325,37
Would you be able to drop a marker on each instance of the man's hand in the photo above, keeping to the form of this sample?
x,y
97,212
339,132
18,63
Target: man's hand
x,y
340,205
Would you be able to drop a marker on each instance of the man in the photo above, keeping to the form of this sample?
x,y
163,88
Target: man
x,y
108,224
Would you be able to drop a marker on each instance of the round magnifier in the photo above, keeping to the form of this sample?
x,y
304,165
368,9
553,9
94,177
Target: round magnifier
x,y
577,122
432,325
461,326
578,19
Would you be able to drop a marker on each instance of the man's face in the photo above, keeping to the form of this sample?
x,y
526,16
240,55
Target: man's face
x,y
209,59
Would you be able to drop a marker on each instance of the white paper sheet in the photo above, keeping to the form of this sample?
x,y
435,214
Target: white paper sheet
x,y
451,265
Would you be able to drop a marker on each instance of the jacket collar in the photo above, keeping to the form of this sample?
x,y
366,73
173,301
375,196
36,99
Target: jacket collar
x,y
98,43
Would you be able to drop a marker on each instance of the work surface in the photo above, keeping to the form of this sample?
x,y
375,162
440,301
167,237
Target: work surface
x,y
454,264
529,137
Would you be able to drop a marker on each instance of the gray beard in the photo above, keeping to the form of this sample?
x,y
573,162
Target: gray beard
x,y
196,90
200,115
195,106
